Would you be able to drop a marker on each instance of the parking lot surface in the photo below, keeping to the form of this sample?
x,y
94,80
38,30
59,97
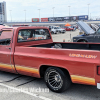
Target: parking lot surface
x,y
19,87
67,36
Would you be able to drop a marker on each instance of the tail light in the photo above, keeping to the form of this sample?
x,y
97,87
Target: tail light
x,y
98,70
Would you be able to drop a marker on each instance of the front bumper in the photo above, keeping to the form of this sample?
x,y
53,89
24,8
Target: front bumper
x,y
63,31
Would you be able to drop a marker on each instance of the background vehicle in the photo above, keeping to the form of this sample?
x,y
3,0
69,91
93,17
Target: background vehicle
x,y
60,30
31,51
57,29
89,34
69,28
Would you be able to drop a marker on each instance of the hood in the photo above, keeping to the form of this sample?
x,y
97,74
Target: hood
x,y
85,27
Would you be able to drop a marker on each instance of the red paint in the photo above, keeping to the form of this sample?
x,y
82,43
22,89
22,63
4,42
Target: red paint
x,y
44,19
98,70
28,59
68,29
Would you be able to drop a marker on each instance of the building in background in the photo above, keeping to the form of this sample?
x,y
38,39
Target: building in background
x,y
83,17
44,19
3,14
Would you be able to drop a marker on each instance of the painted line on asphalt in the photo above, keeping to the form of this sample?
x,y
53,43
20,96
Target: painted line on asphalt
x,y
26,92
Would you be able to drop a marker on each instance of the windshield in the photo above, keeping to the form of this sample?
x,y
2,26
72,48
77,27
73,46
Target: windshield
x,y
69,27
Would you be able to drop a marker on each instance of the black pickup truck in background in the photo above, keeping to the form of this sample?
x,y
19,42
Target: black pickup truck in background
x,y
90,35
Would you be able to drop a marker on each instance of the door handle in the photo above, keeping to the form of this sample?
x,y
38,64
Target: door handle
x,y
8,48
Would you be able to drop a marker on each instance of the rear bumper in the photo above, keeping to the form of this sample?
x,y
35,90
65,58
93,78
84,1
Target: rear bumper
x,y
98,85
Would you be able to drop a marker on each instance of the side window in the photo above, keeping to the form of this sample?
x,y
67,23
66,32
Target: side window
x,y
24,35
33,35
5,37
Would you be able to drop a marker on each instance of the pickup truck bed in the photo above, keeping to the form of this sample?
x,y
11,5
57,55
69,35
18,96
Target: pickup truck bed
x,y
85,46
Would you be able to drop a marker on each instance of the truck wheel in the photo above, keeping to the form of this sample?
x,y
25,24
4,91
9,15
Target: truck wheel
x,y
52,32
82,41
56,80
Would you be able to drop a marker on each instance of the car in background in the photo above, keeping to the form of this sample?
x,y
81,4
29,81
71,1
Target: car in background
x,y
57,29
60,30
69,28
89,35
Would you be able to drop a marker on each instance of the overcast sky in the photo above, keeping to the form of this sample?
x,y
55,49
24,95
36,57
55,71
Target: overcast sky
x,y
78,7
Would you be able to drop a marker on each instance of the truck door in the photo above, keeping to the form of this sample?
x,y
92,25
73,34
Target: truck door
x,y
6,55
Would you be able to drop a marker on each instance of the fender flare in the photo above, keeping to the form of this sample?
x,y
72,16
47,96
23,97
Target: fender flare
x,y
82,39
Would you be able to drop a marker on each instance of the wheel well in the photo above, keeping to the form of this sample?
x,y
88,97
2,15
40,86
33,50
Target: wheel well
x,y
44,67
82,40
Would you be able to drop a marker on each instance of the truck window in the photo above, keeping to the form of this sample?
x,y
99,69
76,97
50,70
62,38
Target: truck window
x,y
5,37
26,35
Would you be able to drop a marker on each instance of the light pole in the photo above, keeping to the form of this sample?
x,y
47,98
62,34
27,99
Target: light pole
x,y
69,13
10,15
53,11
69,10
88,10
39,14
25,15
90,16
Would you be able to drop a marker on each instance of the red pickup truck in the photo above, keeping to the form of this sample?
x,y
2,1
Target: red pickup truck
x,y
31,51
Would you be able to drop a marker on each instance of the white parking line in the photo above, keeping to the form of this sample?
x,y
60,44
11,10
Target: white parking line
x,y
26,92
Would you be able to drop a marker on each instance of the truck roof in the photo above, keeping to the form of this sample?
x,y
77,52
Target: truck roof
x,y
27,27
9,30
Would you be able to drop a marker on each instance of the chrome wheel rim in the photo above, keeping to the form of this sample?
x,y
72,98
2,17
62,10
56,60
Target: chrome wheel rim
x,y
55,80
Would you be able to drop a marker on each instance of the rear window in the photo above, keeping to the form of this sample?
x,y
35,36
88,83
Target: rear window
x,y
33,35
6,34
5,37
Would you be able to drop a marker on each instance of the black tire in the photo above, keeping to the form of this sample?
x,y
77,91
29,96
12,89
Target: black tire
x,y
82,41
52,32
56,80
63,32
